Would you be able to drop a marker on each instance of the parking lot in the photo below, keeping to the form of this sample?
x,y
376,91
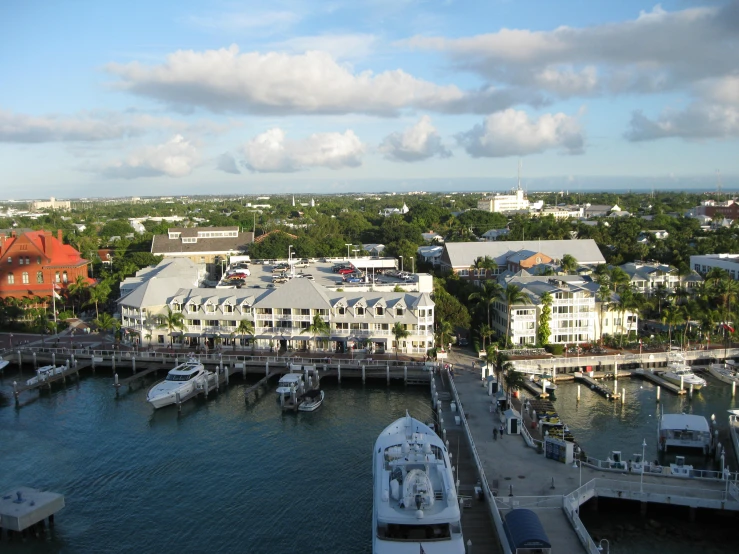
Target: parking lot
x,y
261,276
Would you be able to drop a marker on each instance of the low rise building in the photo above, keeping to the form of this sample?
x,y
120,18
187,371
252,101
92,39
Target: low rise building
x,y
503,203
706,262
559,212
51,204
646,277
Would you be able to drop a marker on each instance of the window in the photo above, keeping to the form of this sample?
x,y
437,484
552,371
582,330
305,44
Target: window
x,y
210,308
40,277
65,278
176,307
24,277
56,278
10,259
228,308
20,260
28,260
463,272
341,311
11,279
360,311
379,310
399,311
38,260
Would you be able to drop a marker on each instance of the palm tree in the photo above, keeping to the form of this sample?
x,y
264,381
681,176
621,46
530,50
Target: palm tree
x,y
245,327
569,264
485,332
603,296
399,332
619,278
444,332
78,289
317,327
171,321
485,262
98,295
513,295
671,316
514,379
487,295
106,322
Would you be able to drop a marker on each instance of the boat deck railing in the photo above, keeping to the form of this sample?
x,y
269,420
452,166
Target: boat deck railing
x,y
659,470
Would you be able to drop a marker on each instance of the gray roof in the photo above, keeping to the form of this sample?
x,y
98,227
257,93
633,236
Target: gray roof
x,y
463,254
296,293
154,285
162,244
536,285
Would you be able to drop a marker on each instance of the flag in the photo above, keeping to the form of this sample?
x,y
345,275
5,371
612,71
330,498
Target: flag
x,y
729,328
422,550
56,295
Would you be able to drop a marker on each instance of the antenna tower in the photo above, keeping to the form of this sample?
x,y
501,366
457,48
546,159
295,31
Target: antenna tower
x,y
718,184
519,174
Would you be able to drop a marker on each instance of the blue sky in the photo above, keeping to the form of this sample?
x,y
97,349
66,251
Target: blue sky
x,y
149,98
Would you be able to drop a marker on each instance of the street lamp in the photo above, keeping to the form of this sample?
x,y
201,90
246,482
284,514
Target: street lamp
x,y
355,250
401,263
608,545
578,463
348,246
641,479
290,258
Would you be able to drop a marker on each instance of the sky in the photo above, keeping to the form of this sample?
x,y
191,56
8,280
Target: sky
x,y
142,98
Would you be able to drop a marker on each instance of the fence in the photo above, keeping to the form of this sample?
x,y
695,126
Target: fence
x,y
660,471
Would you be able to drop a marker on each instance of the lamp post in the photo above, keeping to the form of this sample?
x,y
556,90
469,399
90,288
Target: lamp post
x,y
578,463
608,545
11,341
641,479
355,250
401,263
290,258
348,246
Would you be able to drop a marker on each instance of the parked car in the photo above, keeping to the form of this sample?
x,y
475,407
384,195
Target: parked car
x,y
280,280
301,264
352,279
345,271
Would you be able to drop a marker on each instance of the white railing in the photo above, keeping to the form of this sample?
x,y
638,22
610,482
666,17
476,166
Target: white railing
x,y
571,506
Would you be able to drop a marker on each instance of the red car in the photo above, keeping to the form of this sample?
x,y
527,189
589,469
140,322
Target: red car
x,y
346,271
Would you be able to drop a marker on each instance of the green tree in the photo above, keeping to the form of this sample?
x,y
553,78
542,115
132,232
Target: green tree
x,y
543,331
245,327
513,295
444,332
671,316
78,290
569,264
485,332
99,295
106,322
399,332
603,297
489,292
317,327
171,321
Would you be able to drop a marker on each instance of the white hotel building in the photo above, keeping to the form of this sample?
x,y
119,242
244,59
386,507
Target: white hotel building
x,y
575,317
706,262
356,318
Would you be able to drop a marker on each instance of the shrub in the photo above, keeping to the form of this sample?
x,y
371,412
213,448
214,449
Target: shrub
x,y
556,349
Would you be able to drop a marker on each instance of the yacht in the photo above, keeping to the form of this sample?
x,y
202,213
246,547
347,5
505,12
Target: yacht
x,y
312,400
726,373
684,431
416,508
290,383
182,379
679,372
43,373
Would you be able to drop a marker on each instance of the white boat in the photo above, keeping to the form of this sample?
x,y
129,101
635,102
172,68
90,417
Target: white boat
x,y
726,373
734,430
290,383
182,379
680,468
416,508
684,431
311,400
3,364
679,372
43,373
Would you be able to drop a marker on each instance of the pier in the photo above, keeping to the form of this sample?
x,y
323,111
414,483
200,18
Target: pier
x,y
515,474
24,509
657,380
593,385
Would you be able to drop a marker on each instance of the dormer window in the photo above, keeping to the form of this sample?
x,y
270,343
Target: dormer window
x,y
379,310
176,307
341,310
210,308
194,308
228,308
399,311
189,240
360,310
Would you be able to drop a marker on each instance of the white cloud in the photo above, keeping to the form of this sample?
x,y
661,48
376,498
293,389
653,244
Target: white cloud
x,y
658,50
697,121
271,21
416,143
272,152
312,83
512,133
338,46
175,158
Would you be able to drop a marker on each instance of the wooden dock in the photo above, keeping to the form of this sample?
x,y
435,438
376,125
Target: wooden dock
x,y
535,389
596,387
659,381
72,370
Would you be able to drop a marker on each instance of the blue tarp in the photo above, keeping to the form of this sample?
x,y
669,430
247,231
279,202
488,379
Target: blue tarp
x,y
524,530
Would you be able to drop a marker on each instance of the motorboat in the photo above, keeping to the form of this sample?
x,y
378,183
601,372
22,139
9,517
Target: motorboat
x,y
3,364
181,380
680,468
289,384
679,372
312,400
726,372
43,373
684,431
734,430
416,508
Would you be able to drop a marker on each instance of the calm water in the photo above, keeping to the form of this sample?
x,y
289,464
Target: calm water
x,y
601,426
223,476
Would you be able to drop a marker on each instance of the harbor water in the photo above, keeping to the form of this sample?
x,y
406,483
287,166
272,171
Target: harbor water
x,y
601,426
225,475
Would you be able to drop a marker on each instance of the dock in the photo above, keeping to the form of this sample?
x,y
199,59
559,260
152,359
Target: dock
x,y
24,509
535,389
593,385
72,370
477,525
659,381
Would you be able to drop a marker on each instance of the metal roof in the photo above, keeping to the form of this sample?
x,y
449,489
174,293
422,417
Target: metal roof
x,y
464,254
524,530
684,421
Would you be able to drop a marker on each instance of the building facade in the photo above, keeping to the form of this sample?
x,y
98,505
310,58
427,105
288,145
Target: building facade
x,y
281,317
502,203
51,204
705,263
205,245
33,263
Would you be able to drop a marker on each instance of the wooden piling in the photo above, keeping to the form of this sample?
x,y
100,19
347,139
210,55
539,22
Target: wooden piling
x,y
133,364
363,375
658,390
388,373
338,368
35,364
20,358
405,374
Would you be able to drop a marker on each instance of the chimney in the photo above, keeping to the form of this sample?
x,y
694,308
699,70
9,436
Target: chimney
x,y
2,242
48,246
59,235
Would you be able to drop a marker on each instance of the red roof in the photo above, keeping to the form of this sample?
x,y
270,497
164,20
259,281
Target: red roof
x,y
61,254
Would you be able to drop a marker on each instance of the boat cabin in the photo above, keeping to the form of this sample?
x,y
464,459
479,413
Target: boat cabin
x,y
684,431
289,383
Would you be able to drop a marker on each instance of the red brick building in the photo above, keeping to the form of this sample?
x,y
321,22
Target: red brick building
x,y
31,262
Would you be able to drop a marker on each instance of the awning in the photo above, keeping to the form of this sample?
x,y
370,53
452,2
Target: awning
x,y
176,334
192,334
264,337
524,530
337,338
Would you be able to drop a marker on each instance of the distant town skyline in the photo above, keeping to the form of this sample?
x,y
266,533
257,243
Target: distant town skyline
x,y
100,100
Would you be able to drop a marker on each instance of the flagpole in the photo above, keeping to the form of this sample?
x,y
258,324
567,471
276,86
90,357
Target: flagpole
x,y
53,303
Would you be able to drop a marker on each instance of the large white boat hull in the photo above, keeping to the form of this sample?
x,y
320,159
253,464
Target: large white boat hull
x,y
313,405
697,383
723,373
161,395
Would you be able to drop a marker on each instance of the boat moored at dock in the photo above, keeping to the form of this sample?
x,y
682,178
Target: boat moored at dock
x,y
734,430
416,507
726,372
684,431
680,373
181,380
311,400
